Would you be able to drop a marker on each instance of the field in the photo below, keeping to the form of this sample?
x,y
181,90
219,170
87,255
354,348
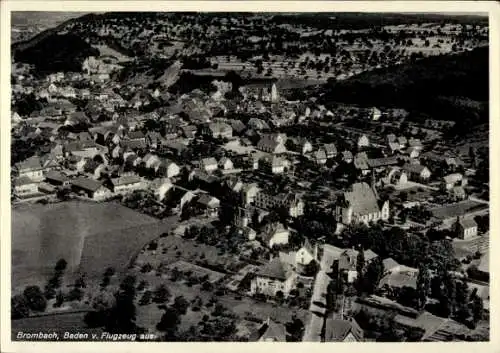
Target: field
x,y
89,236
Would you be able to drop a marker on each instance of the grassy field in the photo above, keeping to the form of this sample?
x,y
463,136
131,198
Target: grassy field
x,y
89,236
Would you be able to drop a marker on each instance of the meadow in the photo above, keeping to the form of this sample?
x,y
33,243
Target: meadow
x,y
89,236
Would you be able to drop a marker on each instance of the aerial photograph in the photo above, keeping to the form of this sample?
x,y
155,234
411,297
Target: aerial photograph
x,y
249,177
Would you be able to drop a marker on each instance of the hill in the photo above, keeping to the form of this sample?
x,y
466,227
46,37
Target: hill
x,y
54,52
450,87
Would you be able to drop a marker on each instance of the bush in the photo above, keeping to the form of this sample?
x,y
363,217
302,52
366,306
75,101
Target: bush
x,y
146,298
146,268
36,300
161,294
19,307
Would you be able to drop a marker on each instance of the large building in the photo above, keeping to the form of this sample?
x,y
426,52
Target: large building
x,y
273,278
360,204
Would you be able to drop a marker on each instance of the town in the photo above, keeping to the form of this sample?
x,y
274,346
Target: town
x,y
210,177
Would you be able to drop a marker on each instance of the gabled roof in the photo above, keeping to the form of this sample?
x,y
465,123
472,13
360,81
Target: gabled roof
x,y
361,198
467,223
389,264
273,269
32,163
86,184
330,148
382,162
125,180
209,161
24,180
57,176
414,168
337,330
273,332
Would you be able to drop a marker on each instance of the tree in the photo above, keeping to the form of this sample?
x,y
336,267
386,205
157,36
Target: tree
x,y
161,294
295,329
169,323
19,307
61,266
477,308
146,298
181,305
423,286
59,299
36,300
360,262
123,314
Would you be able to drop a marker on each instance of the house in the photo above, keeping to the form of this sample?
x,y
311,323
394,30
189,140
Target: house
x,y
270,331
161,188
320,156
303,146
168,168
348,262
465,228
291,201
330,150
225,164
249,192
151,161
380,164
209,164
413,152
153,139
375,114
91,188
25,187
209,204
306,254
458,193
57,178
257,124
417,172
396,176
363,141
398,276
402,141
390,138
338,330
274,164
126,184
360,204
393,147
189,131
347,156
31,168
273,278
218,130
415,143
272,143
248,233
238,126
87,149
361,163
275,234
451,180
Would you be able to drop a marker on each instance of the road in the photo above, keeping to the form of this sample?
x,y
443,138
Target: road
x,y
317,309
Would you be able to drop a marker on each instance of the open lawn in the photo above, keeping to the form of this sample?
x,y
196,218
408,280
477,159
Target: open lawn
x,y
89,236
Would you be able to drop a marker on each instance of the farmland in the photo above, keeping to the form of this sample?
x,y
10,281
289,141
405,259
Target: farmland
x,y
89,236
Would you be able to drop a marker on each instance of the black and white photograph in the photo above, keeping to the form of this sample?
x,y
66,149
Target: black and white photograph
x,y
214,176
